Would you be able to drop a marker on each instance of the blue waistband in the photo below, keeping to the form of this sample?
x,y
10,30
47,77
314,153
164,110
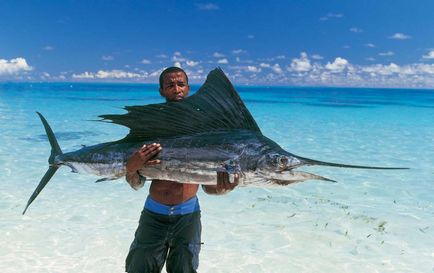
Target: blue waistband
x,y
189,206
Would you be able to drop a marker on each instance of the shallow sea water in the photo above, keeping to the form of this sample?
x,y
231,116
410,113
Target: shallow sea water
x,y
370,221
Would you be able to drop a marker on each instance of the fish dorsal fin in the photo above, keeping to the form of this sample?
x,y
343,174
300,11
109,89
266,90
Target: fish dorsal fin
x,y
216,106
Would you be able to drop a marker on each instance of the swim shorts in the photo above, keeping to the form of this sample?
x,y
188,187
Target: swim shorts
x,y
173,238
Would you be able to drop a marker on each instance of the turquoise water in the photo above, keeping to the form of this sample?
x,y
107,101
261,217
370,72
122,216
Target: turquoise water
x,y
370,221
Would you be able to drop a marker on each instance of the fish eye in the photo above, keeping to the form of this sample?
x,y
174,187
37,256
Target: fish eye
x,y
283,160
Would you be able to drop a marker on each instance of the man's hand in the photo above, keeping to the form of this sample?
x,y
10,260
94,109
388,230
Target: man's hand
x,y
137,160
223,184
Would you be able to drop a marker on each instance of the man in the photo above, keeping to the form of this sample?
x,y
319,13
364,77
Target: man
x,y
169,228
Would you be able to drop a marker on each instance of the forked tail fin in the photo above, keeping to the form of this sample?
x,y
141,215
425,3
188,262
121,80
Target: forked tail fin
x,y
55,151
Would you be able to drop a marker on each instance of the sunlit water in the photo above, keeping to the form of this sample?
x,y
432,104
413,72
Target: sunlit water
x,y
370,221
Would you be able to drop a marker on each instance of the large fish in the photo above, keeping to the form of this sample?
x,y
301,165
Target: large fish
x,y
211,131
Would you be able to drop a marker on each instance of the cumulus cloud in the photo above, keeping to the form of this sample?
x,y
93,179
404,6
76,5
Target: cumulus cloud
x,y
252,68
84,75
388,53
192,63
177,57
277,69
301,64
382,69
429,55
14,66
370,45
177,64
218,55
103,74
223,61
338,65
207,6
399,36
48,48
146,61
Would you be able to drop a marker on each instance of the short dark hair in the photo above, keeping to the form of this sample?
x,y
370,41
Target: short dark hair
x,y
171,69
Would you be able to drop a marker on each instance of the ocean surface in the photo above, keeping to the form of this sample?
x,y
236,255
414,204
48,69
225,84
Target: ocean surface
x,y
370,221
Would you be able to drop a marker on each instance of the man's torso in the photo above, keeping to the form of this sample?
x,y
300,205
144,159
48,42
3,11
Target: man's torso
x,y
172,193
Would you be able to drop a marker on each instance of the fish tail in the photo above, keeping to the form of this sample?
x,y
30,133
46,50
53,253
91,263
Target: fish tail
x,y
50,172
55,151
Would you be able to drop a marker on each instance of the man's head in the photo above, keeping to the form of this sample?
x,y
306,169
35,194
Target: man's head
x,y
174,84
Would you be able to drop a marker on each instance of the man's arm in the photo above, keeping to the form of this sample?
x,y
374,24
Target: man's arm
x,y
136,162
223,184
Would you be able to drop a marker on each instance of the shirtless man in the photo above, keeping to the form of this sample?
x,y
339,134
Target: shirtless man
x,y
169,227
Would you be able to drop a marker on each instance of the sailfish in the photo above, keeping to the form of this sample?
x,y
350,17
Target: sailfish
x,y
209,132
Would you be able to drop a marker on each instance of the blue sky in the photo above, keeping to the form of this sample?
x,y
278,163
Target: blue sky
x,y
308,43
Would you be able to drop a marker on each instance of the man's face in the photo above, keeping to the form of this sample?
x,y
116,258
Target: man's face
x,y
175,86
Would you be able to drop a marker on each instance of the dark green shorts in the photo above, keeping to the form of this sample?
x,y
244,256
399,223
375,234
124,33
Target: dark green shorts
x,y
173,239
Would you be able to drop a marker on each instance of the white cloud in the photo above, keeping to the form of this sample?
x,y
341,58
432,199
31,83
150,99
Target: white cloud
x,y
239,51
388,53
382,69
207,6
338,65
370,45
331,15
14,66
116,74
145,61
223,61
429,55
107,58
356,30
301,64
316,57
277,69
162,56
251,36
177,57
252,68
177,64
48,48
400,36
218,55
192,63
103,74
370,59
84,75
264,65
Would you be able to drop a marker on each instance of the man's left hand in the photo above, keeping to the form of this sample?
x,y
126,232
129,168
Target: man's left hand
x,y
224,184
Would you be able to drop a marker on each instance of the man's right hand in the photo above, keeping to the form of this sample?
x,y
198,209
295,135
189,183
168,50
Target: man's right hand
x,y
137,160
